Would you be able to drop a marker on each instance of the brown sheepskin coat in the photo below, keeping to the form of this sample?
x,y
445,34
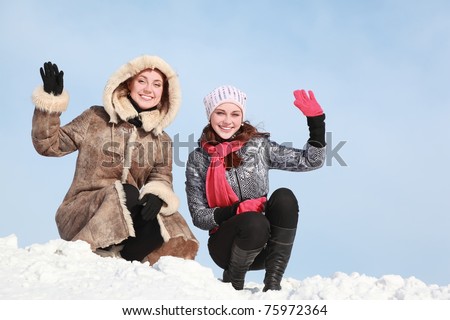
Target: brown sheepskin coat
x,y
111,152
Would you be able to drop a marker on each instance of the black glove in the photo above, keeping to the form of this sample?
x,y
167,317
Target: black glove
x,y
225,213
52,78
151,205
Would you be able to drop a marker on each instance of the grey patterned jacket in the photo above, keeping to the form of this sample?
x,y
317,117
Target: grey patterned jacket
x,y
251,178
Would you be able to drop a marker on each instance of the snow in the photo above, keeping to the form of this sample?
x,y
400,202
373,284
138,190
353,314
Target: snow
x,y
61,270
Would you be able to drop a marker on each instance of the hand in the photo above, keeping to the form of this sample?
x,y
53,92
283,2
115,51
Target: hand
x,y
253,205
52,78
224,213
151,205
307,104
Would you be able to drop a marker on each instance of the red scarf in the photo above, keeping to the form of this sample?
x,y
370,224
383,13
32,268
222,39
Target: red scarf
x,y
218,191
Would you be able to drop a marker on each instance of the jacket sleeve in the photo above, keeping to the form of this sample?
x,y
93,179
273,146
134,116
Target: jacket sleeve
x,y
284,157
49,138
159,182
202,215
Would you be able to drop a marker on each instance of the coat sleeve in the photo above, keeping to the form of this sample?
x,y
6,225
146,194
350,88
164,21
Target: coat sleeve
x,y
287,158
49,138
159,182
202,215
311,157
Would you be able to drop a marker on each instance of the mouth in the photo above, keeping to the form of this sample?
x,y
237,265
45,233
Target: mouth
x,y
146,97
226,128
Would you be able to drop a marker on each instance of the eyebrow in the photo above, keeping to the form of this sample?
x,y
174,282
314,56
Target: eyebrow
x,y
223,110
146,78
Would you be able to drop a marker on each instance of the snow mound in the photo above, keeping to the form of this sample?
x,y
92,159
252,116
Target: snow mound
x,y
69,270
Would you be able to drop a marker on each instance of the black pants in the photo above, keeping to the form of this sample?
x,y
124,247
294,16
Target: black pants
x,y
251,230
148,233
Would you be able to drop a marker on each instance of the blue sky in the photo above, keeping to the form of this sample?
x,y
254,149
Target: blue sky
x,y
380,70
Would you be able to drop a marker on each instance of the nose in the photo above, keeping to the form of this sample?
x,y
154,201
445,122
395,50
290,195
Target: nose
x,y
227,119
148,88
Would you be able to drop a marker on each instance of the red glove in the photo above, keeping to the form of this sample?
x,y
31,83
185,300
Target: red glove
x,y
253,205
308,105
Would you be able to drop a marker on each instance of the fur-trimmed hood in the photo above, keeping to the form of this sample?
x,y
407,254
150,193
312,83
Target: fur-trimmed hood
x,y
120,108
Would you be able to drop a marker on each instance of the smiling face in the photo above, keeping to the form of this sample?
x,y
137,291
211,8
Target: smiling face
x,y
226,120
146,88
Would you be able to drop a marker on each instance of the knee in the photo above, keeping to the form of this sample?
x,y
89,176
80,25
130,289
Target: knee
x,y
284,199
254,230
131,199
131,192
282,209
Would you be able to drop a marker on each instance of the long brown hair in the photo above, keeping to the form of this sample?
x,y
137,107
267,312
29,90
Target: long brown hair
x,y
244,134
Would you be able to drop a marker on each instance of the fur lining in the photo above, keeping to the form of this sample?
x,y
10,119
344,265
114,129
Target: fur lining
x,y
119,109
130,146
123,107
151,120
164,233
48,102
126,213
166,194
174,226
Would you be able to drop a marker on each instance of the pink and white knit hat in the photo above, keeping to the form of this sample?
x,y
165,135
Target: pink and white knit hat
x,y
222,95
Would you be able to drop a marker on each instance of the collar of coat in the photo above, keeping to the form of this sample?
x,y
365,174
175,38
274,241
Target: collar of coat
x,y
120,108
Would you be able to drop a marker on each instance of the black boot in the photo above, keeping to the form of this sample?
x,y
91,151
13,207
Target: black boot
x,y
238,266
279,249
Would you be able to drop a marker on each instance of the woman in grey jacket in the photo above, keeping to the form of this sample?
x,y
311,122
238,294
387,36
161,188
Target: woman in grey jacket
x,y
227,186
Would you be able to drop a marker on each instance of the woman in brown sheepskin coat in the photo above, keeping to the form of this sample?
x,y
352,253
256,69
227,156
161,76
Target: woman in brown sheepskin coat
x,y
121,200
